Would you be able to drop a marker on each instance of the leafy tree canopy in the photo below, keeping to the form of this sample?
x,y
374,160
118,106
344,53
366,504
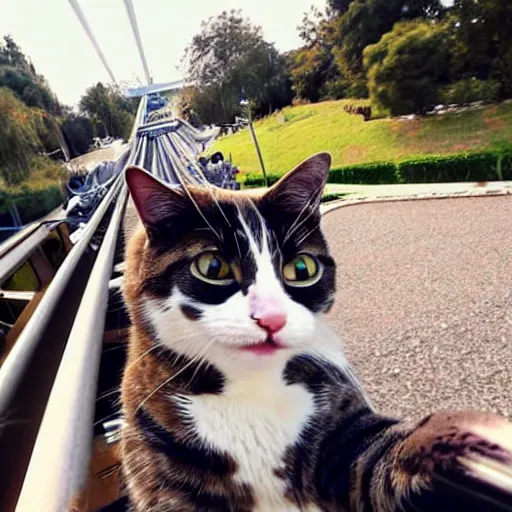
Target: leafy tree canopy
x,y
228,60
406,67
110,112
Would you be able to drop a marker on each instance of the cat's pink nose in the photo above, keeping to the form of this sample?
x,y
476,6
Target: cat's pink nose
x,y
272,321
268,311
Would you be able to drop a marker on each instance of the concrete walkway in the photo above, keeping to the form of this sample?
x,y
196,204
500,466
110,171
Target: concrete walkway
x,y
356,193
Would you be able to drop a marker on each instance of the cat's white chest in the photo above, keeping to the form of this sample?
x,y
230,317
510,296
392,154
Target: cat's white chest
x,y
255,420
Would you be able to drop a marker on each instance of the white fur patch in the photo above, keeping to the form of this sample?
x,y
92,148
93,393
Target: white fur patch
x,y
254,420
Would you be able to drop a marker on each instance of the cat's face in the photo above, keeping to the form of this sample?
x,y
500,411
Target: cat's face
x,y
238,280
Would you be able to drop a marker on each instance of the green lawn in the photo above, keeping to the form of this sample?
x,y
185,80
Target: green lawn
x,y
289,136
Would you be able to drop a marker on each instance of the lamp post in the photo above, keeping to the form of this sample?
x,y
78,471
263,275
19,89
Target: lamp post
x,y
246,103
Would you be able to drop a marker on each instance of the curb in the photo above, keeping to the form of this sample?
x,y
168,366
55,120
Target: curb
x,y
341,203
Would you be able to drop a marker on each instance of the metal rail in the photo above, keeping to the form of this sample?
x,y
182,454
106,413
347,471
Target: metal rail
x,y
48,381
28,372
138,40
18,252
85,24
61,456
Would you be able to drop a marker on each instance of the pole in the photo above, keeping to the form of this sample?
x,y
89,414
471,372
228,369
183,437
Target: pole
x,y
90,35
255,140
135,27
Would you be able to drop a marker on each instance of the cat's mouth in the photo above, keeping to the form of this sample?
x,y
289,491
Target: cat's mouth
x,y
263,348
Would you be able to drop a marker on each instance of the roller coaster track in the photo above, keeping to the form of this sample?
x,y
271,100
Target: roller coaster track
x,y
49,379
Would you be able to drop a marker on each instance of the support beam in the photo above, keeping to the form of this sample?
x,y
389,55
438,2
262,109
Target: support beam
x,y
135,27
92,39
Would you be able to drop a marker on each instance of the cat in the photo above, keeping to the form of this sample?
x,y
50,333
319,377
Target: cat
x,y
236,394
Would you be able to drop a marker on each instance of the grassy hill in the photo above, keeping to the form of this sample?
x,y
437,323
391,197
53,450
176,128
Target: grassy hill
x,y
289,136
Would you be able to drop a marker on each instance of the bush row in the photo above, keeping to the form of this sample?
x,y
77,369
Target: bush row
x,y
32,204
488,165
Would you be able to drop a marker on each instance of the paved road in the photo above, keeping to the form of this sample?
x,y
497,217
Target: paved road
x,y
424,301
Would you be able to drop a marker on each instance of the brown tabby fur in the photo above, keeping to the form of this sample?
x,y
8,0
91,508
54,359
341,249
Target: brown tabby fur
x,y
394,466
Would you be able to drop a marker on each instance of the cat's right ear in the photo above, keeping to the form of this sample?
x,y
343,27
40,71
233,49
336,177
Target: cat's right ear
x,y
154,201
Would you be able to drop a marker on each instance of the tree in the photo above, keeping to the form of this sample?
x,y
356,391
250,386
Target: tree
x,y
312,66
309,69
406,67
18,74
483,45
108,110
339,6
229,59
19,138
78,131
366,21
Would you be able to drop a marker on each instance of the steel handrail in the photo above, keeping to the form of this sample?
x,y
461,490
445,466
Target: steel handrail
x,y
59,466
49,379
28,372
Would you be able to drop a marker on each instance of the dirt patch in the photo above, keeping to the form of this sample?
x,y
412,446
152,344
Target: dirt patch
x,y
355,154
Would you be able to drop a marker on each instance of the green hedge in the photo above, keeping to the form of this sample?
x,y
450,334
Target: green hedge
x,y
375,173
505,165
32,204
487,165
482,166
258,181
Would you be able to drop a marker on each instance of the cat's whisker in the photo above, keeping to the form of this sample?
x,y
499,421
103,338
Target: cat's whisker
x,y
308,233
295,224
312,204
111,415
201,362
237,244
142,356
108,393
210,188
191,362
194,202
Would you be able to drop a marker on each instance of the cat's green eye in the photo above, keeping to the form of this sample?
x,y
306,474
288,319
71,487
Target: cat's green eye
x,y
303,270
212,267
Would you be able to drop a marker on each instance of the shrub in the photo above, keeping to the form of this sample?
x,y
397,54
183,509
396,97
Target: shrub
x,y
404,68
18,137
359,110
371,174
333,90
297,101
258,181
487,165
470,90
32,204
326,198
480,166
505,165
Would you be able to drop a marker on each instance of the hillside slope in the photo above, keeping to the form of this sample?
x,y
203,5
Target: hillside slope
x,y
289,136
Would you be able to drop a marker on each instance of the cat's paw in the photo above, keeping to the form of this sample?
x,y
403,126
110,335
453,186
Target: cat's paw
x,y
455,461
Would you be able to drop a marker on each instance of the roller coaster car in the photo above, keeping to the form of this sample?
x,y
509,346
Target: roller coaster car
x,y
155,101
22,287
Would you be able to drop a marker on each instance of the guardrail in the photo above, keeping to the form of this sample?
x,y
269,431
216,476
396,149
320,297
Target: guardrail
x,y
48,381
29,371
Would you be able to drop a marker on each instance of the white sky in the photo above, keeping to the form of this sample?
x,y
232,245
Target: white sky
x,y
51,35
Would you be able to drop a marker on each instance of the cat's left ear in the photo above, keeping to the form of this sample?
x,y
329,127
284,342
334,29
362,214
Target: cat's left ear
x,y
302,187
154,201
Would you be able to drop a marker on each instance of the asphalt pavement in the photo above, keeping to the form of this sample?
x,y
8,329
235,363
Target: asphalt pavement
x,y
424,301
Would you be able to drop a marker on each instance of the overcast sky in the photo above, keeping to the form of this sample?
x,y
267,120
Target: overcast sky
x,y
51,35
